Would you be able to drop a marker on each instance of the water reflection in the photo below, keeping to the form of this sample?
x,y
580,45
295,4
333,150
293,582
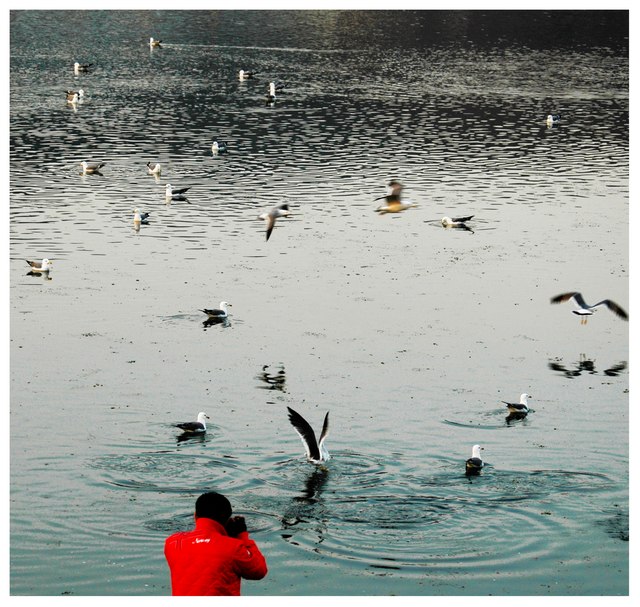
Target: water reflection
x,y
585,365
212,321
307,511
273,381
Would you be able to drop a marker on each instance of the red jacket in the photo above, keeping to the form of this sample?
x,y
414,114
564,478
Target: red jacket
x,y
208,562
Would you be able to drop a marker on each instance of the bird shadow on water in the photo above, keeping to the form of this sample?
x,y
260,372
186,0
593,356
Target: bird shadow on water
x,y
585,365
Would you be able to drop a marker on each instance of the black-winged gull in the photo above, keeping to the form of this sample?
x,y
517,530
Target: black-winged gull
x,y
197,427
219,147
316,451
521,407
217,313
173,194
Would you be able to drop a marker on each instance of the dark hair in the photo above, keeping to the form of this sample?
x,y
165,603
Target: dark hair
x,y
213,505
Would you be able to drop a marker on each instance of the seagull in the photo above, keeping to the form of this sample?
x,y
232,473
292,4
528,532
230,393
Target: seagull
x,y
242,75
198,427
273,88
316,451
520,407
552,119
282,210
40,266
219,147
139,217
154,169
91,167
172,194
81,67
153,43
393,202
74,96
584,310
221,313
456,222
474,464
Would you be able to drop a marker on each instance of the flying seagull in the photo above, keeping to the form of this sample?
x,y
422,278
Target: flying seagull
x,y
198,427
215,313
40,266
584,310
316,451
474,464
282,210
521,407
393,202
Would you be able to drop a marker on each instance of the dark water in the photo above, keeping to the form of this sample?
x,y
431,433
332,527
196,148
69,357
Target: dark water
x,y
408,333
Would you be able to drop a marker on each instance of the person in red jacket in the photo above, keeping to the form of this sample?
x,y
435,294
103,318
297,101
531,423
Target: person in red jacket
x,y
211,559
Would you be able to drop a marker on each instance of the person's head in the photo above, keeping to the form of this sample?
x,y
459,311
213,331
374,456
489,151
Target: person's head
x,y
213,505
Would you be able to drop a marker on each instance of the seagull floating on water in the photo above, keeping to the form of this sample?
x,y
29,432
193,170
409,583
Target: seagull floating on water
x,y
474,464
89,168
154,169
139,217
456,222
522,407
218,313
282,210
244,75
173,194
198,427
552,119
74,96
584,310
154,43
219,147
40,266
81,67
316,451
273,89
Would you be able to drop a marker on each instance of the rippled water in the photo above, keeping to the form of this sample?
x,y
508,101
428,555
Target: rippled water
x,y
408,333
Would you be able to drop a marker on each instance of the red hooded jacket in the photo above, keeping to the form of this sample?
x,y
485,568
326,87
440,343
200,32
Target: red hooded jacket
x,y
208,562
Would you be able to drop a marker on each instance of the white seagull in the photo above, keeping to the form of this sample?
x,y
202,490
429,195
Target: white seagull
x,y
282,210
74,96
243,75
154,169
584,310
218,313
40,266
198,427
474,464
316,451
91,167
219,147
521,407
552,119
81,67
456,222
171,194
139,217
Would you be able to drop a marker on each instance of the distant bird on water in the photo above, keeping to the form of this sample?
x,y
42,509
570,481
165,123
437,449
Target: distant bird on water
x,y
154,43
218,313
173,194
154,169
474,464
89,168
197,427
139,217
40,266
522,407
282,210
315,450
219,147
74,96
552,119
79,68
456,222
584,310
273,89
245,75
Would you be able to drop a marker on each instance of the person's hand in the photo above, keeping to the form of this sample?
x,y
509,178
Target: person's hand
x,y
236,525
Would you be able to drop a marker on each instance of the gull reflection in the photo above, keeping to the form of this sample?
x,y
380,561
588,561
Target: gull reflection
x,y
273,381
209,322
307,512
585,365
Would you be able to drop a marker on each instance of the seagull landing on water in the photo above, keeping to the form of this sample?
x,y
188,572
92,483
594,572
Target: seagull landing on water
x,y
219,147
90,168
316,451
40,266
584,310
282,210
154,169
218,313
522,407
474,464
173,194
198,427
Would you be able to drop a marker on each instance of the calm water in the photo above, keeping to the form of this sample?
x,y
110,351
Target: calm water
x,y
408,333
